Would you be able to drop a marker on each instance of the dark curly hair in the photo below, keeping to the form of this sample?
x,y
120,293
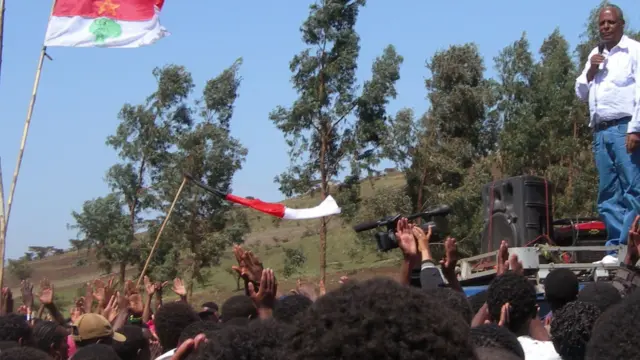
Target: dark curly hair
x,y
290,306
519,293
456,300
494,336
561,287
14,327
571,329
379,319
135,346
48,336
261,340
170,320
477,301
239,306
614,335
200,327
496,353
602,294
24,353
96,352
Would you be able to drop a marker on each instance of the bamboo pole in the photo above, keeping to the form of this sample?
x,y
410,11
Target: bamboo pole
x,y
2,8
164,223
2,232
25,131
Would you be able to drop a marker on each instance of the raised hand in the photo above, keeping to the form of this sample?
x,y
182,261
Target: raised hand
x,y
448,264
149,287
46,292
26,288
406,240
249,266
178,287
265,296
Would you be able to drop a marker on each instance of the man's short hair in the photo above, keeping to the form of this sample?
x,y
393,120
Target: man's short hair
x,y
571,328
561,287
516,290
617,9
615,334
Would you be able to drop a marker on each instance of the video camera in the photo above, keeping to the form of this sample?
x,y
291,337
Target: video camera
x,y
386,240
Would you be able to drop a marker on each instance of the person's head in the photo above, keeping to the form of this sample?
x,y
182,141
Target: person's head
x,y
520,294
260,340
209,311
384,318
561,287
14,327
614,335
170,320
24,353
494,336
456,300
239,306
94,328
199,327
477,301
601,294
288,307
496,353
51,338
611,24
571,329
136,346
96,352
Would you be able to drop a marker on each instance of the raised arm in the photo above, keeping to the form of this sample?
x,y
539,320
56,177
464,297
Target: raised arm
x,y
585,78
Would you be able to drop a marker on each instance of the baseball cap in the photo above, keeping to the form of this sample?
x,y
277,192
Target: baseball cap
x,y
94,326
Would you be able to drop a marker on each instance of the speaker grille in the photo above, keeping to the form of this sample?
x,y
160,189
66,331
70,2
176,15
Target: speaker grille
x,y
502,229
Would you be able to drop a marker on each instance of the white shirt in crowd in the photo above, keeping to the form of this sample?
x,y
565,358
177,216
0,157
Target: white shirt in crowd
x,y
538,350
167,355
614,92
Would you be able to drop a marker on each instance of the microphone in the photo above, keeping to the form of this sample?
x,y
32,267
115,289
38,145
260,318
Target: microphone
x,y
601,46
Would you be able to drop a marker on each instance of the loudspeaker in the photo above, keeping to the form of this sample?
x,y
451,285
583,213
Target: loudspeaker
x,y
517,209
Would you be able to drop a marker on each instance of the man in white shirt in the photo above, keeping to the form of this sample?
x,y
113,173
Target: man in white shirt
x,y
610,83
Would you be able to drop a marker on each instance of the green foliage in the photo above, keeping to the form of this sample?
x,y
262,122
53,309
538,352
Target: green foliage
x,y
104,222
331,125
202,225
294,259
20,269
39,251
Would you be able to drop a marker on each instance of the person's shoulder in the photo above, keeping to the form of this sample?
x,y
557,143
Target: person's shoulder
x,y
539,350
632,43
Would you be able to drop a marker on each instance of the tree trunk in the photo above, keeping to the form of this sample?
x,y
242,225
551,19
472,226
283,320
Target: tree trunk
x,y
123,270
192,276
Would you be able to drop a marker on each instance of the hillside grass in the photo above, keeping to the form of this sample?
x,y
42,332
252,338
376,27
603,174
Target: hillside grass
x,y
268,239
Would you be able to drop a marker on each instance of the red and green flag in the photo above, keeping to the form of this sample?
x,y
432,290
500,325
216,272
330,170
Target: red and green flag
x,y
105,23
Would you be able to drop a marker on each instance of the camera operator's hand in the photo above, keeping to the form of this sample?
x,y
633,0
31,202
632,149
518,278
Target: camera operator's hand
x,y
423,241
406,241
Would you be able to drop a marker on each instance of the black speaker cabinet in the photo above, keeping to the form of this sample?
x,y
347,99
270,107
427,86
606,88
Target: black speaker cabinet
x,y
516,210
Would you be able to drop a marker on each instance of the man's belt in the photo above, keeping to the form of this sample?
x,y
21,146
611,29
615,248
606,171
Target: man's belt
x,y
607,124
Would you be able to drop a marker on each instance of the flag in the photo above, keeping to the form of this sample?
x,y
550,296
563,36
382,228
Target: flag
x,y
326,208
105,23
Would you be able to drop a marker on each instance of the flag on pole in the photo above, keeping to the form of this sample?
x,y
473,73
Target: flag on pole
x,y
326,208
105,23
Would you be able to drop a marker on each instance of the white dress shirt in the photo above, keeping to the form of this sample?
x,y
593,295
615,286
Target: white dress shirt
x,y
614,92
538,350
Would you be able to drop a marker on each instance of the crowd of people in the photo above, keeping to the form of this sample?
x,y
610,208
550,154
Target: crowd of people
x,y
381,318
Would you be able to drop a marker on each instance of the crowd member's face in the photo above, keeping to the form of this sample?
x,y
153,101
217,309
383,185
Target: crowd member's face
x,y
610,25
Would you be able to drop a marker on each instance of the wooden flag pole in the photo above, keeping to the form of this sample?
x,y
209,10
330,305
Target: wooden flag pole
x,y
164,223
2,8
25,131
2,237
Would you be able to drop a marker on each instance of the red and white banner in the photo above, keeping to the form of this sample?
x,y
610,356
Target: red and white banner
x,y
326,208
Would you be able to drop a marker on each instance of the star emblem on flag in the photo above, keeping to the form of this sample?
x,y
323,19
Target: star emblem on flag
x,y
107,6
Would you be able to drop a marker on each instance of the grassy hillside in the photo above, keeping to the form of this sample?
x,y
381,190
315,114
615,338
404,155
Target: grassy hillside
x,y
268,239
